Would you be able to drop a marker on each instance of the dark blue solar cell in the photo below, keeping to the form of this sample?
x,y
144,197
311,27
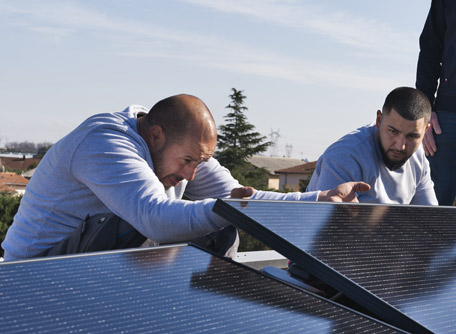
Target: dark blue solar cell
x,y
399,262
179,289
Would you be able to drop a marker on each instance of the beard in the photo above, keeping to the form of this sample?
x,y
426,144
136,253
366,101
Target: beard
x,y
159,166
390,163
160,169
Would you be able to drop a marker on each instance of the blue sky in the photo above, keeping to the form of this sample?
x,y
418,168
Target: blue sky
x,y
311,70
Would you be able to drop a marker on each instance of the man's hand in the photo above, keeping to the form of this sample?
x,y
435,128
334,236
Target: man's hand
x,y
345,192
243,192
428,141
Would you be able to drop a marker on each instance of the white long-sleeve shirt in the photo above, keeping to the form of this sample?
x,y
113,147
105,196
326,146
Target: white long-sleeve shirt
x,y
105,166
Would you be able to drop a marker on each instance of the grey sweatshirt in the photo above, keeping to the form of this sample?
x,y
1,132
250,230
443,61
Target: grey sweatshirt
x,y
105,166
357,157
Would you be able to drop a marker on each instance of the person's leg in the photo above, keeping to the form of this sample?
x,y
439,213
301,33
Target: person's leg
x,y
443,163
99,232
224,242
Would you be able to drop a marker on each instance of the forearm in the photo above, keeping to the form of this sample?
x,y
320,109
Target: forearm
x,y
425,197
294,196
211,181
146,207
179,220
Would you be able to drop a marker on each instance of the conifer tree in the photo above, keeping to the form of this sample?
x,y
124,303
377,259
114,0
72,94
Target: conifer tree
x,y
237,139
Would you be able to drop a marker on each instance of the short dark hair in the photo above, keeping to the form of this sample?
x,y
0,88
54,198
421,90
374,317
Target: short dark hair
x,y
408,102
176,115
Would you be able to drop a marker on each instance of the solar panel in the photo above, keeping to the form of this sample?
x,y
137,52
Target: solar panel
x,y
179,289
399,262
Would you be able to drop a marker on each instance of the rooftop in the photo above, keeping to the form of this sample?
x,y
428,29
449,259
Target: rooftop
x,y
273,163
17,163
300,169
12,179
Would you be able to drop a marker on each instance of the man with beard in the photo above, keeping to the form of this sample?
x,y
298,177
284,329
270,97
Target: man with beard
x,y
138,165
386,154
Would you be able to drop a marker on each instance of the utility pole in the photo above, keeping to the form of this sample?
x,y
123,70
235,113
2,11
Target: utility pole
x,y
275,135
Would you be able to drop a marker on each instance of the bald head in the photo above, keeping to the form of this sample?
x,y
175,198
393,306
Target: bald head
x,y
183,115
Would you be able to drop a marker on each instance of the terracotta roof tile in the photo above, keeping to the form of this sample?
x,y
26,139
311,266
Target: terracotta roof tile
x,y
12,179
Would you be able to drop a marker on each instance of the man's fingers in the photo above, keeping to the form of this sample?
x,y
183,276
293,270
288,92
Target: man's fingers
x,y
437,128
426,148
242,192
345,192
361,186
435,125
429,143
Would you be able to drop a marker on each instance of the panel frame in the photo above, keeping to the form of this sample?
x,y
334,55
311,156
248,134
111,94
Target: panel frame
x,y
352,290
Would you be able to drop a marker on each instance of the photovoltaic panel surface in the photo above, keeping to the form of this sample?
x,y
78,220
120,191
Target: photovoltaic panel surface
x,y
178,289
397,261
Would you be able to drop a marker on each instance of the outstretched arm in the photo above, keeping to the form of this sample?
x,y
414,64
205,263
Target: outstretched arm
x,y
345,192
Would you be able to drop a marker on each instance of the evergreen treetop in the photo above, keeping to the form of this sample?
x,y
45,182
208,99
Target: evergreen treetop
x,y
237,139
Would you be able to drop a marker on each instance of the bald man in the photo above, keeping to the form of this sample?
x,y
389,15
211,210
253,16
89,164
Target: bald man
x,y
137,165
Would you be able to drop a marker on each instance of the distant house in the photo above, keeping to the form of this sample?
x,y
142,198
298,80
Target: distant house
x,y
13,183
15,163
271,164
5,188
28,174
290,177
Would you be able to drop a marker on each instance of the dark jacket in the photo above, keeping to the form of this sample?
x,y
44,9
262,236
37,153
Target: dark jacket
x,y
437,59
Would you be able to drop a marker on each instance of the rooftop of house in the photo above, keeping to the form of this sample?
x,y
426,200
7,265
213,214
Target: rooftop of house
x,y
12,179
306,168
28,174
273,163
17,163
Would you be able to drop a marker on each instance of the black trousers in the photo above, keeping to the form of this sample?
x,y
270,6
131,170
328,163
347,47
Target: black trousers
x,y
108,232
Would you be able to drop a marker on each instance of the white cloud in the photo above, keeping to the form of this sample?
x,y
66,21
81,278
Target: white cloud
x,y
55,12
314,18
144,39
